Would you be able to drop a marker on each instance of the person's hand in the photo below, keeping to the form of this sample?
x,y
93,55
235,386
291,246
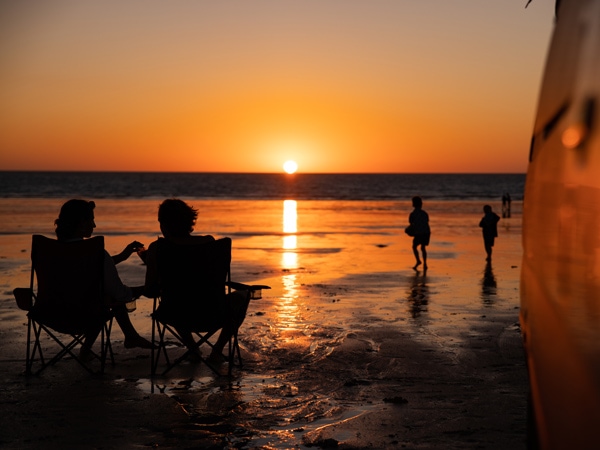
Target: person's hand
x,y
132,247
137,291
127,251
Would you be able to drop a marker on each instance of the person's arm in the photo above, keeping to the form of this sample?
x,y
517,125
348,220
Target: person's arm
x,y
151,288
113,286
127,252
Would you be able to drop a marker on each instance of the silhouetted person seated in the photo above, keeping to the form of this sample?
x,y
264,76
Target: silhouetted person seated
x,y
177,220
76,222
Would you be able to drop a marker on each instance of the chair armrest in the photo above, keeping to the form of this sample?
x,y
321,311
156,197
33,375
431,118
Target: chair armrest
x,y
24,298
254,290
246,287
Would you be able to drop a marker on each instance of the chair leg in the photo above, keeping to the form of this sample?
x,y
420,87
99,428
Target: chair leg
x,y
108,344
153,350
28,350
37,347
233,352
34,348
104,339
155,353
230,355
188,351
155,357
160,331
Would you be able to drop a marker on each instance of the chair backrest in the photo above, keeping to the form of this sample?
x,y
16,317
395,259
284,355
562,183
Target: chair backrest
x,y
192,280
70,279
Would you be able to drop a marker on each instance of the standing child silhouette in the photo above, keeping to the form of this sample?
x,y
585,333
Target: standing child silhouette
x,y
489,229
419,222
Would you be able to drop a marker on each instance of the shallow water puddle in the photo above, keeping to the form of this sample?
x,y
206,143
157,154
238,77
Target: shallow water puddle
x,y
257,410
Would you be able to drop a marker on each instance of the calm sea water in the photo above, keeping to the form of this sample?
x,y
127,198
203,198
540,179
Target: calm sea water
x,y
244,186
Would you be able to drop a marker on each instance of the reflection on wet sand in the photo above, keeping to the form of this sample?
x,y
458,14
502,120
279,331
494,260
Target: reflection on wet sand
x,y
288,315
488,285
289,259
290,216
418,294
287,310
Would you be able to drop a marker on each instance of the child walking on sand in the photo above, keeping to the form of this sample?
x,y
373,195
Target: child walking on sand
x,y
419,225
489,229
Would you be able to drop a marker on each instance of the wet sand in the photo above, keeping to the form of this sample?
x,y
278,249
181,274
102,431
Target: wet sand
x,y
350,349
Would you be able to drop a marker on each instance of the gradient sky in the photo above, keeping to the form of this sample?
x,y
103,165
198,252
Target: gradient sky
x,y
242,86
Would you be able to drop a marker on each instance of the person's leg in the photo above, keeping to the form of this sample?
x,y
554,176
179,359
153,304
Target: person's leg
x,y
237,305
488,244
424,252
188,341
132,338
216,355
85,351
415,249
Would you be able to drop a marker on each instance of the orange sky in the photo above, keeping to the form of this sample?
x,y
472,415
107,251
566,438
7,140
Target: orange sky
x,y
239,86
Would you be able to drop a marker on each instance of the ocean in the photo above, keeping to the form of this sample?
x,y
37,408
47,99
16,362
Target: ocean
x,y
254,186
276,221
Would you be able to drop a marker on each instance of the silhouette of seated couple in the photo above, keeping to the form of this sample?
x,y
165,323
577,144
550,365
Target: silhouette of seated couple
x,y
177,220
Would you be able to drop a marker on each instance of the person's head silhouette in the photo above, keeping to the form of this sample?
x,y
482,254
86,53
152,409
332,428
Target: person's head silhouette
x,y
75,220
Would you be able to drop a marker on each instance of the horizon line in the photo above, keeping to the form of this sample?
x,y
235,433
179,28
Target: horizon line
x,y
257,173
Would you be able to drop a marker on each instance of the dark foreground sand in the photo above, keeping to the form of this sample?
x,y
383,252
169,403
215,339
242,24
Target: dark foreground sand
x,y
350,349
381,387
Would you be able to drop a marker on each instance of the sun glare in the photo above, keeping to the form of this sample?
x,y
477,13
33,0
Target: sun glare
x,y
290,166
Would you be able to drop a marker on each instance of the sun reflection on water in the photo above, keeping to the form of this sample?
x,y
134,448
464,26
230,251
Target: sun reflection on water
x,y
289,260
288,308
290,216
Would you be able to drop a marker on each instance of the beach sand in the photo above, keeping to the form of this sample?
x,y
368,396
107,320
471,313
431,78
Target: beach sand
x,y
351,348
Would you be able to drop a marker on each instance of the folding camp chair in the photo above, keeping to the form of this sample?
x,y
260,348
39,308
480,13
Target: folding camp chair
x,y
194,283
68,303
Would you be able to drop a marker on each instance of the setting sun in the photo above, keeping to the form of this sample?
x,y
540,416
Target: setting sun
x,y
290,166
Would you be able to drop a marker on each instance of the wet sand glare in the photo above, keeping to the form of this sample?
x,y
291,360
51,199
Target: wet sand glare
x,y
350,348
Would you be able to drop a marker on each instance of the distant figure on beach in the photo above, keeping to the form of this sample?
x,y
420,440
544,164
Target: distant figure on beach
x,y
506,205
75,222
177,220
420,231
489,229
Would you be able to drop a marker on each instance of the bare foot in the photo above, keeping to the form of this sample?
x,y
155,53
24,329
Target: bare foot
x,y
137,342
216,358
86,354
417,265
194,356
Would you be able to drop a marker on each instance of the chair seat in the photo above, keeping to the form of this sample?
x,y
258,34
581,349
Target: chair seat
x,y
193,317
71,322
